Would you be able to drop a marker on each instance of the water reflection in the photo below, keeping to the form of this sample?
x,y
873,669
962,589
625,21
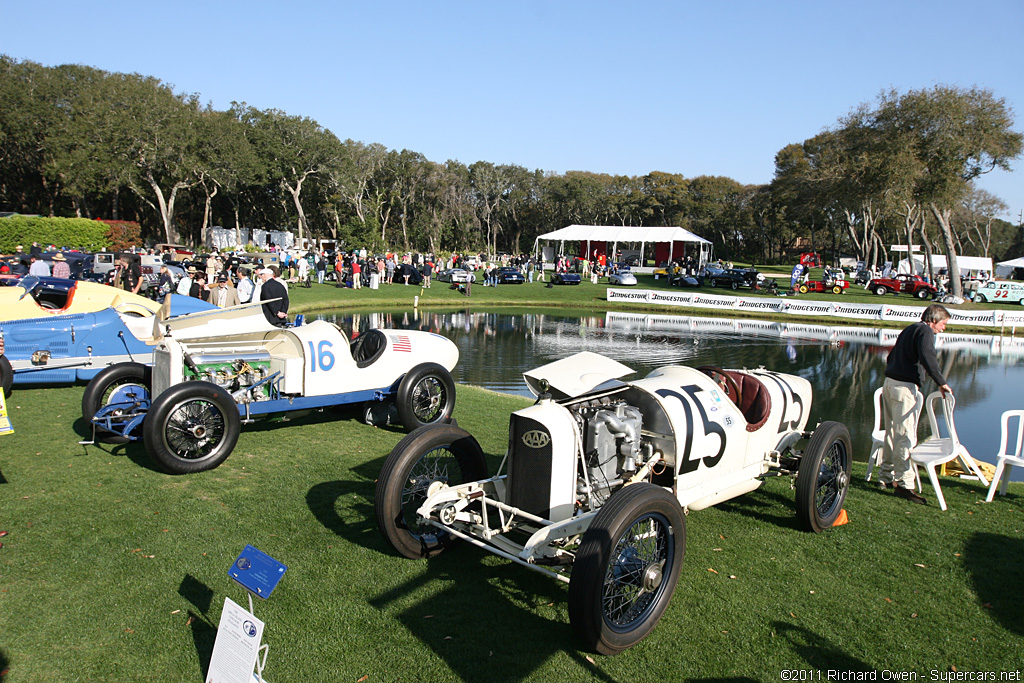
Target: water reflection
x,y
844,364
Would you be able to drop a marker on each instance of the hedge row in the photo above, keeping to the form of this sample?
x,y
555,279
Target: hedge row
x,y
74,233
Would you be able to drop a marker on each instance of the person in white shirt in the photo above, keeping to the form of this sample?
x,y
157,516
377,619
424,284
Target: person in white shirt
x,y
39,267
245,287
185,283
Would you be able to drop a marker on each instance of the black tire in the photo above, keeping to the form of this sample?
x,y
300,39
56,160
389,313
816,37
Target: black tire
x,y
119,382
980,298
881,290
191,427
435,453
837,290
714,282
6,376
803,289
621,584
922,294
823,477
426,396
734,284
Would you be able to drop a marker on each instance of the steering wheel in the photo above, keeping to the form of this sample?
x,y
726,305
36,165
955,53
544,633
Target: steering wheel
x,y
724,380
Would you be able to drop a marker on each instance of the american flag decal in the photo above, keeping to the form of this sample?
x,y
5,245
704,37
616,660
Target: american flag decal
x,y
400,342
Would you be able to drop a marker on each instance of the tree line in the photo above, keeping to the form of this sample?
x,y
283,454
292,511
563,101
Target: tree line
x,y
80,141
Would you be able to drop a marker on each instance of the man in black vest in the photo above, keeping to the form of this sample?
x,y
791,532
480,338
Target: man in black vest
x,y
275,311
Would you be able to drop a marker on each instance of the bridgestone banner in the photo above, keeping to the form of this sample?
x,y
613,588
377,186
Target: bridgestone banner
x,y
831,309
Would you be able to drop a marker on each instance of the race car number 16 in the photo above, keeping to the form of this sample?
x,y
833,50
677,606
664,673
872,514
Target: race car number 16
x,y
321,357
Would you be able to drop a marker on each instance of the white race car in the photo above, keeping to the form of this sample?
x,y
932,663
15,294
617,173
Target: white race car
x,y
598,476
213,372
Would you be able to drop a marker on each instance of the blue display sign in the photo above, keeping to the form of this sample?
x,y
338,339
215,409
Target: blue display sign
x,y
257,572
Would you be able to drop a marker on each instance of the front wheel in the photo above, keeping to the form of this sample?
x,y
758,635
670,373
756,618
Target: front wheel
x,y
428,458
837,290
880,290
823,477
426,395
118,383
627,568
922,294
6,376
191,427
714,282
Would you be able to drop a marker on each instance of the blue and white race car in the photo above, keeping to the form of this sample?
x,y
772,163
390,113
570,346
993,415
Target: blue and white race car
x,y
213,372
70,347
598,475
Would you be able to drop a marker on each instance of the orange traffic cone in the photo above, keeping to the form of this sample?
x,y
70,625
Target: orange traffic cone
x,y
841,519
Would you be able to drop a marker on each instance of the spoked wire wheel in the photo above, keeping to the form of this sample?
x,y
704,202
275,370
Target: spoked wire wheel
x,y
191,427
627,568
824,477
425,461
426,396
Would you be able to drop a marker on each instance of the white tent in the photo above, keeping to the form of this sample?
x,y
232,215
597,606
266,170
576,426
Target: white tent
x,y
1006,268
969,265
625,234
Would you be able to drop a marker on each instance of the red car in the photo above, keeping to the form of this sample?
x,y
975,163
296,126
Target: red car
x,y
834,286
904,282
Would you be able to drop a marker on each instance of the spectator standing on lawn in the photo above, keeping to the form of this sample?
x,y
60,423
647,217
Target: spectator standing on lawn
x,y
61,267
245,287
38,267
912,357
275,298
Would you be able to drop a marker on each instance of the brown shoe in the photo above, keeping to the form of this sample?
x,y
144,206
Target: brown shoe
x,y
909,494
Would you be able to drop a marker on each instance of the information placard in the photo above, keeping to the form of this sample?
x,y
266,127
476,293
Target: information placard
x,y
237,645
5,422
258,572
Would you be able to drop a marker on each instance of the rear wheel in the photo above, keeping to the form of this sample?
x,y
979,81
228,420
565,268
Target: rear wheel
x,y
191,427
119,383
734,284
823,477
426,395
837,289
803,289
427,459
627,568
980,298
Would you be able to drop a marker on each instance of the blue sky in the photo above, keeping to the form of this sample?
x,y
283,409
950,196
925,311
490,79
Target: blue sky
x,y
695,88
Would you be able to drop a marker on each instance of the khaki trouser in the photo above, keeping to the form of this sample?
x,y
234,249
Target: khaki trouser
x,y
898,403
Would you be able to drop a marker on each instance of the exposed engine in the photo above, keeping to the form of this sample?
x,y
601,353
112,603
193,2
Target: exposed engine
x,y
552,472
233,373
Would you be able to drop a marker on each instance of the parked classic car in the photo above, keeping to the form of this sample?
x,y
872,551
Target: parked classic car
x,y
214,371
565,278
622,277
914,285
599,473
509,276
34,297
734,278
456,275
1000,291
55,349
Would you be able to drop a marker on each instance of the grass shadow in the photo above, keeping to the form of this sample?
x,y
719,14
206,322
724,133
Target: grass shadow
x,y
762,505
204,633
449,622
322,499
818,651
995,564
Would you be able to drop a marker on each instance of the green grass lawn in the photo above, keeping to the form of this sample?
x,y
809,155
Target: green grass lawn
x,y
114,571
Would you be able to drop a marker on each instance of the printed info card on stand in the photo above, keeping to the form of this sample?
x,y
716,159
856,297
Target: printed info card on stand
x,y
237,645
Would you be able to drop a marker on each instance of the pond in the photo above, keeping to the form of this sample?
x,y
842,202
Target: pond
x,y
844,364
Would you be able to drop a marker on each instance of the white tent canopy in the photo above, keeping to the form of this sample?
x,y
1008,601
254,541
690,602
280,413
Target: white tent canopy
x,y
966,264
1006,268
625,234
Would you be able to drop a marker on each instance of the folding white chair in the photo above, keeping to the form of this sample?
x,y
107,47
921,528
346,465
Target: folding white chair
x,y
878,432
1007,458
937,450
